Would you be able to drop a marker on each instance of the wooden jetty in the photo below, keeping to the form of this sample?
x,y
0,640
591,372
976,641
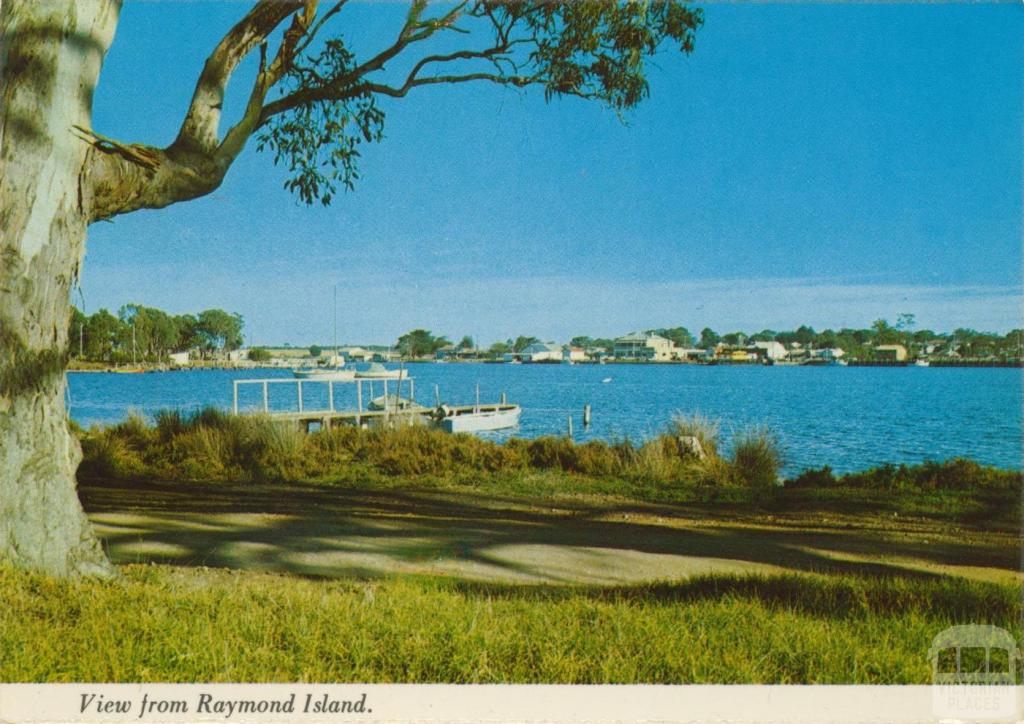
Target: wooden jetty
x,y
389,409
327,417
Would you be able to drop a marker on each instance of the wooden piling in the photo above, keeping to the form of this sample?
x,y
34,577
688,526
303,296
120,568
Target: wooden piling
x,y
586,415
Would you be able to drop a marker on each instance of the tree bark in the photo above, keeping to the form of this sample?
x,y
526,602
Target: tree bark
x,y
51,52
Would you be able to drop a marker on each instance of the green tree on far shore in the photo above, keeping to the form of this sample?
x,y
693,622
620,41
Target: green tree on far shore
x,y
420,343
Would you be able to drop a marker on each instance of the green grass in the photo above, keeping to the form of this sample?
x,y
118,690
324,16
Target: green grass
x,y
174,624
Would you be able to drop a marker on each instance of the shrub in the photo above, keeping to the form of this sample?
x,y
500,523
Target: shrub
x,y
705,430
109,456
813,478
170,424
756,458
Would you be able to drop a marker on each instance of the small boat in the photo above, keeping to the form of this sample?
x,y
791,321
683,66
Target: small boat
x,y
377,371
922,363
477,418
333,370
325,374
128,370
394,403
606,380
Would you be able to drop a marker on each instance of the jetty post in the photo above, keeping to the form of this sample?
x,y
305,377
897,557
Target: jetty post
x,y
586,415
266,397
570,425
330,395
234,397
300,394
504,398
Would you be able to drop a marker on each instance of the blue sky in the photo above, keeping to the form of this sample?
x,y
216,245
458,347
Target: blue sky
x,y
810,164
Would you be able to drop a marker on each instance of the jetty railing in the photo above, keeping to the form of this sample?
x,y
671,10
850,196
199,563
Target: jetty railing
x,y
298,382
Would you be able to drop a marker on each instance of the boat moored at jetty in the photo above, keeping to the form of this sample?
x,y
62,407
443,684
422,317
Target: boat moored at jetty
x,y
387,409
477,418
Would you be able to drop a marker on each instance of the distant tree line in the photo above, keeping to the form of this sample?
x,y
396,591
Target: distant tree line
x,y
964,342
145,334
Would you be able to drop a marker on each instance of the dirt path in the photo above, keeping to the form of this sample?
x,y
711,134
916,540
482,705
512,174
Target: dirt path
x,y
328,532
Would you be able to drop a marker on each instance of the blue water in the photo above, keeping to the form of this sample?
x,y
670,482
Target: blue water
x,y
847,417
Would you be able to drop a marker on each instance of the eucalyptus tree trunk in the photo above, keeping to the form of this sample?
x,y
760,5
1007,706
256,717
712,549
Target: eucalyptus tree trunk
x,y
50,58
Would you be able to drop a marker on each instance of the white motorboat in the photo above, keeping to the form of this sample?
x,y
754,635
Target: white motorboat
x,y
922,363
377,371
394,403
477,418
325,374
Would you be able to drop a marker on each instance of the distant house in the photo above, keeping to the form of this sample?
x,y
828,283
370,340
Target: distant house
x,y
643,346
573,354
356,353
542,352
690,353
447,352
769,350
890,353
536,352
179,358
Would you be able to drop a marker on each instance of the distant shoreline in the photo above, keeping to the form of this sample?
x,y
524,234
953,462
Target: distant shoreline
x,y
150,368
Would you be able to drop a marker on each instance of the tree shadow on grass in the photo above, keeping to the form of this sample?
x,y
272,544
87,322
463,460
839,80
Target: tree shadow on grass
x,y
340,532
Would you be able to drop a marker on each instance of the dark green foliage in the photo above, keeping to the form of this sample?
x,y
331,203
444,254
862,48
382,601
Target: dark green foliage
x,y
319,141
594,50
953,474
149,334
259,354
420,343
813,478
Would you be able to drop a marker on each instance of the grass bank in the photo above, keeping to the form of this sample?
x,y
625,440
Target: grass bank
x,y
212,447
157,623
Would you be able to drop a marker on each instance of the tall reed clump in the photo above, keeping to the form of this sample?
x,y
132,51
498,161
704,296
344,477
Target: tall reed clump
x,y
757,458
118,451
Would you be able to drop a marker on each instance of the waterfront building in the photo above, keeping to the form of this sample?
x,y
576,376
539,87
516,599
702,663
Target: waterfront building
x,y
573,354
536,352
769,350
890,353
644,346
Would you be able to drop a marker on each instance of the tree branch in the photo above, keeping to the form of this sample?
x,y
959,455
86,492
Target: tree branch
x,y
199,131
